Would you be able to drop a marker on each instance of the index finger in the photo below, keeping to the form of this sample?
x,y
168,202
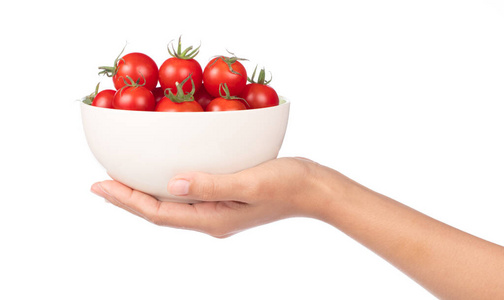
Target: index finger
x,y
178,215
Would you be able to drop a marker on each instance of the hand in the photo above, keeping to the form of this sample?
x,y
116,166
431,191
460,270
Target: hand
x,y
274,190
418,245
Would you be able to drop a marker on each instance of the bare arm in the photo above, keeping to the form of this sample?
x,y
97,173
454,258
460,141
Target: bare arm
x,y
449,263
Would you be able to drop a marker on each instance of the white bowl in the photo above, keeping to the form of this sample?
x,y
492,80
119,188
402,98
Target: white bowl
x,y
144,150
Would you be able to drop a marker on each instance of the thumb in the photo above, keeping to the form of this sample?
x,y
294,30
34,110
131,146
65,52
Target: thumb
x,y
207,187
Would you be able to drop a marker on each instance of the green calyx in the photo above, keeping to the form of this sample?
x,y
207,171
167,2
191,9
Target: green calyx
x,y
229,61
89,98
129,82
261,79
181,96
227,96
187,53
111,71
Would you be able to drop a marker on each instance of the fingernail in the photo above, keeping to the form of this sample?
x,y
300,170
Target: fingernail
x,y
178,187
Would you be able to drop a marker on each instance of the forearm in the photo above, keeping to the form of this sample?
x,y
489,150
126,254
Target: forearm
x,y
449,263
446,261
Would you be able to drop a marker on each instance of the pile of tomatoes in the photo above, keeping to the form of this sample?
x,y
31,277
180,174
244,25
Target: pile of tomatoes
x,y
180,84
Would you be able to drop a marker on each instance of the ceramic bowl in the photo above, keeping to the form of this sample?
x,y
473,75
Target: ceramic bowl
x,y
144,150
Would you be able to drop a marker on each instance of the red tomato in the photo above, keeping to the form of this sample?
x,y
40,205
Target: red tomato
x,y
224,70
158,93
181,101
167,105
174,70
221,104
203,97
104,99
138,66
134,98
259,95
177,68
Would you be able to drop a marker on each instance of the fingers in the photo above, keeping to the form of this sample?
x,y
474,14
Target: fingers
x,y
209,187
176,215
98,189
229,203
217,218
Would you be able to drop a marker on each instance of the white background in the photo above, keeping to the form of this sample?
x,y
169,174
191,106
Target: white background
x,y
402,96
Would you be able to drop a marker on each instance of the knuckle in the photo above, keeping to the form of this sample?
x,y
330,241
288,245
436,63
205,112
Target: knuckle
x,y
155,216
253,189
156,220
207,191
221,237
218,230
219,233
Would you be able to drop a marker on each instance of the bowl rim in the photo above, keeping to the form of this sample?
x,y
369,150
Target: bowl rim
x,y
283,101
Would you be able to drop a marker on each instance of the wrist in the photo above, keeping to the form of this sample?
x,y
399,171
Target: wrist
x,y
332,194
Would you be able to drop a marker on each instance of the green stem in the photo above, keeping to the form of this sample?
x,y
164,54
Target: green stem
x,y
181,96
261,78
111,71
182,54
227,95
108,71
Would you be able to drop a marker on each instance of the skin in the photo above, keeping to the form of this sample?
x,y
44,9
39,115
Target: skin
x,y
449,263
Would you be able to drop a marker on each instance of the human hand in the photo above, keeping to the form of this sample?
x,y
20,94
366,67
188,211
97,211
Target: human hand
x,y
230,203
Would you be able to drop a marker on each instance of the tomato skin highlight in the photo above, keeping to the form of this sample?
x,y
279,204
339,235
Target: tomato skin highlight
x,y
259,95
104,99
221,104
139,67
174,70
217,72
167,105
134,98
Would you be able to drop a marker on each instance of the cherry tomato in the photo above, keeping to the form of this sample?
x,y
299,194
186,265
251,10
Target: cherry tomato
x,y
138,66
174,70
221,104
259,94
182,64
158,93
166,104
134,98
203,97
226,101
181,101
224,70
104,99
